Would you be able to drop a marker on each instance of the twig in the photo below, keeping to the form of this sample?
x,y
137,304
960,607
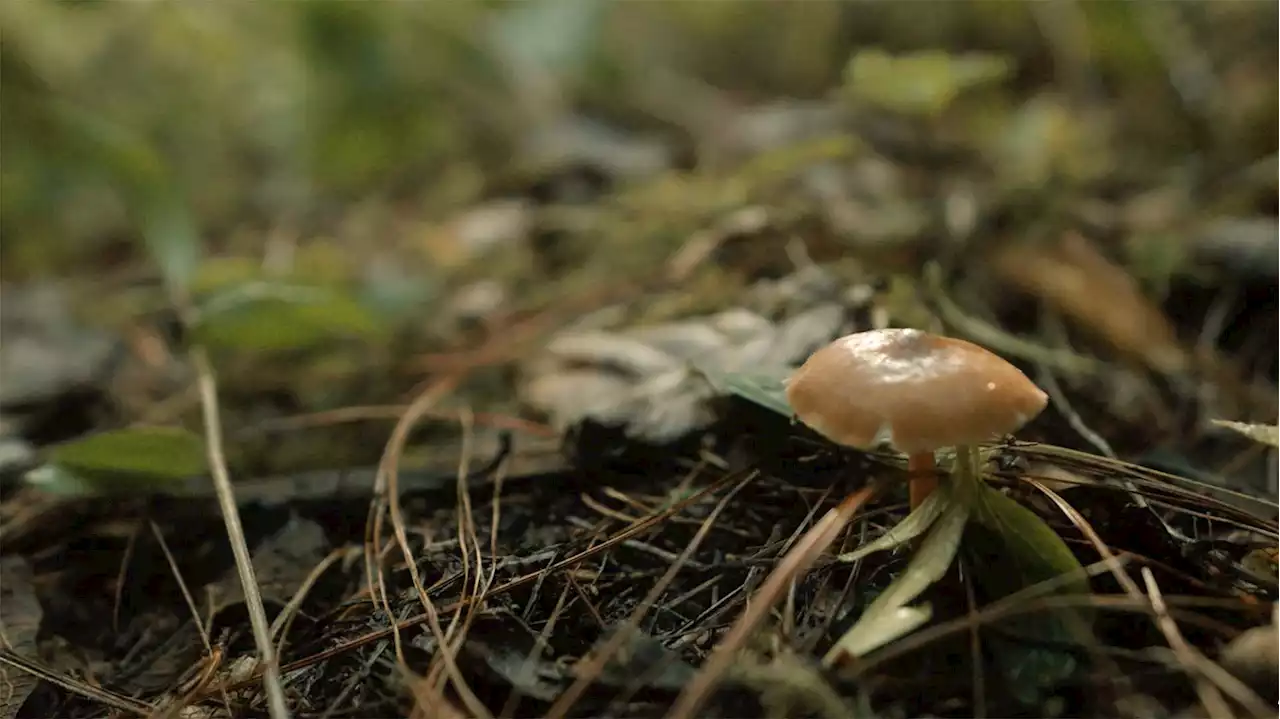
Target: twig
x,y
1054,327
1217,678
75,686
535,654
1112,563
1117,570
214,657
387,497
991,336
284,620
235,534
1210,698
121,576
801,556
469,548
1045,378
644,525
600,658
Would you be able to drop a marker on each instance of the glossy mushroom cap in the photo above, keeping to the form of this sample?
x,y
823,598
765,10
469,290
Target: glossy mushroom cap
x,y
912,390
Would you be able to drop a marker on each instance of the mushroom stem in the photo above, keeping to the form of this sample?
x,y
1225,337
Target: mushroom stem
x,y
921,468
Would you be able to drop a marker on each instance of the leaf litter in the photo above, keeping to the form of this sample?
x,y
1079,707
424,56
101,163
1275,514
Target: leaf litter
x,y
613,257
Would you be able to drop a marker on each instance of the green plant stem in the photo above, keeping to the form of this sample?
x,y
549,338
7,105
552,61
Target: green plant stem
x,y
966,472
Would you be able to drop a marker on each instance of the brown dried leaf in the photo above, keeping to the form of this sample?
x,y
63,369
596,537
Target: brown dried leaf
x,y
1251,657
20,616
1074,278
1262,433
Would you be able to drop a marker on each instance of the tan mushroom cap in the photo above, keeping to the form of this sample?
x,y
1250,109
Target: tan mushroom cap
x,y
912,390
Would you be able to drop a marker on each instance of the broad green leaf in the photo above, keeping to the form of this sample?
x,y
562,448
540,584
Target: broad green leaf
x,y
768,391
920,83
146,452
915,524
1261,433
1026,551
1034,549
150,195
888,617
276,316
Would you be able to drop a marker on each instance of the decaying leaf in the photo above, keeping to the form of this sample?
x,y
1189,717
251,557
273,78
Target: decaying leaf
x,y
1262,433
1263,561
1252,657
1074,278
656,381
20,617
914,525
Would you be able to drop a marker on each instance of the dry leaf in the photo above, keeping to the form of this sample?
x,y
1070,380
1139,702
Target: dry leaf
x,y
1074,278
20,618
1252,657
651,380
1262,433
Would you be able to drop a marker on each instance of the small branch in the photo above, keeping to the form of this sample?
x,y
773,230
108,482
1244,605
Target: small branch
x,y
798,560
235,534
1210,698
997,339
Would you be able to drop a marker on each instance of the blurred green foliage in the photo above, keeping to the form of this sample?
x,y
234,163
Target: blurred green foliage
x,y
120,460
295,113
249,110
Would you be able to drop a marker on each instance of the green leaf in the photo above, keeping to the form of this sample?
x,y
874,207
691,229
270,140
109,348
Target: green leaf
x,y
768,391
888,617
1011,548
921,83
915,524
1035,550
276,316
132,165
139,453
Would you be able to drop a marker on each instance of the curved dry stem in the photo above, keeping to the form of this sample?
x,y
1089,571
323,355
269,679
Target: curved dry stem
x,y
797,561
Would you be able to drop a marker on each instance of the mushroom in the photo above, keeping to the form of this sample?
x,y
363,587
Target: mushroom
x,y
914,391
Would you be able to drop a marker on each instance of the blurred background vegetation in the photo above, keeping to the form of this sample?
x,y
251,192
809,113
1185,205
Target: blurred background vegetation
x,y
314,114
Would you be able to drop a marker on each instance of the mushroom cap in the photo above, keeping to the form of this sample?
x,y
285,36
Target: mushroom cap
x,y
910,389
